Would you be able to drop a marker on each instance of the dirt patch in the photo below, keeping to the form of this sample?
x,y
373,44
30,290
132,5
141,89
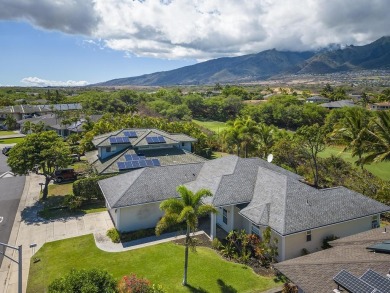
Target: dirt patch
x,y
202,240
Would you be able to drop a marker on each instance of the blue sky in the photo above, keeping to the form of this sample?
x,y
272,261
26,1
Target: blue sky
x,y
54,56
63,42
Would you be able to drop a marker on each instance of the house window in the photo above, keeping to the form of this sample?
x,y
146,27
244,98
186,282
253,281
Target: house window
x,y
255,230
224,216
308,236
375,222
108,149
183,144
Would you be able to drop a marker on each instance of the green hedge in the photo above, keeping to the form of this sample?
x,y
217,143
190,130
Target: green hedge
x,y
88,188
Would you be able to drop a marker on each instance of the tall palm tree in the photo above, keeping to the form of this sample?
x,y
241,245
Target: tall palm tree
x,y
188,208
350,130
265,139
378,138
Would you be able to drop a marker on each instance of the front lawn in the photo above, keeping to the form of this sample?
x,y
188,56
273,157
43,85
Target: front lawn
x,y
7,132
382,170
11,140
162,264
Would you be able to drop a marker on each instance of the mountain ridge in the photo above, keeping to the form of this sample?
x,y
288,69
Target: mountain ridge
x,y
267,64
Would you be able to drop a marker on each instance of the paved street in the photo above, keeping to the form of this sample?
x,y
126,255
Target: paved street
x,y
11,189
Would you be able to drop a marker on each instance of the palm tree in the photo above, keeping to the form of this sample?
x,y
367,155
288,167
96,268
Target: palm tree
x,y
350,130
378,138
188,208
265,139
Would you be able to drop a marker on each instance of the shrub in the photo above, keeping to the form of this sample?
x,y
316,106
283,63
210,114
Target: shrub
x,y
73,202
114,235
82,281
216,244
304,251
133,284
289,288
325,242
88,188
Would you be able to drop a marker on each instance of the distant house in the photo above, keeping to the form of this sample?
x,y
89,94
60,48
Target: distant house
x,y
52,122
338,104
116,149
250,194
320,272
317,99
380,106
28,111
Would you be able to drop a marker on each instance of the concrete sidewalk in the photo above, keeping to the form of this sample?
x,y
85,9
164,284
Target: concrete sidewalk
x,y
28,228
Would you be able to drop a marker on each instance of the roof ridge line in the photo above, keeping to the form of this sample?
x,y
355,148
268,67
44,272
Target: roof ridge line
x,y
139,174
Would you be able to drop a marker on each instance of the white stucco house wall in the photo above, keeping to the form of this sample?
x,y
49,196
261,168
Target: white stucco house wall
x,y
249,194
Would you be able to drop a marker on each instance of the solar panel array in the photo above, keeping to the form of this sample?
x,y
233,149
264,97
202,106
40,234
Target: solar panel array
x,y
134,157
352,283
119,139
155,139
138,164
130,134
377,281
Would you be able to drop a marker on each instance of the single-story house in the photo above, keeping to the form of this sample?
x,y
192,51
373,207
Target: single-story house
x,y
20,112
317,99
116,151
338,104
250,194
53,122
353,256
383,106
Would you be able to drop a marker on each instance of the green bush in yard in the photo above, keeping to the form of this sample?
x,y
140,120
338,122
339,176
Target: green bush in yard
x,y
114,235
88,188
84,281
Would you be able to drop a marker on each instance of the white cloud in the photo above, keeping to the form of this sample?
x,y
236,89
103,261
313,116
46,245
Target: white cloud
x,y
205,29
36,81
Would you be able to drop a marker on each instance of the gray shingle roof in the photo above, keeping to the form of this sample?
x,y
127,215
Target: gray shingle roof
x,y
147,185
295,206
140,140
276,197
339,104
313,273
166,156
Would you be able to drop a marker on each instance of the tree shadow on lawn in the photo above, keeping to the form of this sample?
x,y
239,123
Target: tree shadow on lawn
x,y
224,288
45,212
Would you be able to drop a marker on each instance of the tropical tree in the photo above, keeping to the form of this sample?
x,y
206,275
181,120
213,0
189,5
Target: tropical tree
x,y
44,149
188,208
265,139
350,131
378,138
312,139
10,122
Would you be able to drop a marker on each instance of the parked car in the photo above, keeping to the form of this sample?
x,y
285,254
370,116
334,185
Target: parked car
x,y
6,150
64,175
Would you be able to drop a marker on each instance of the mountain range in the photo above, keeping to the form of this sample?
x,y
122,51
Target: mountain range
x,y
268,64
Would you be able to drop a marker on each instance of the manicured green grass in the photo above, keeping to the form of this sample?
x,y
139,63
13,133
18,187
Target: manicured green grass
x,y
382,170
61,189
215,126
7,132
162,264
11,140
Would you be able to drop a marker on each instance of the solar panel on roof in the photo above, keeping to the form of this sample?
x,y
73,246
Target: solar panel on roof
x,y
142,163
155,139
131,134
121,165
377,281
119,139
136,164
351,283
149,163
156,162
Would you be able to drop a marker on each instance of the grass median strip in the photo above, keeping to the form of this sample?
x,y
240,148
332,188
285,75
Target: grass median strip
x,y
162,264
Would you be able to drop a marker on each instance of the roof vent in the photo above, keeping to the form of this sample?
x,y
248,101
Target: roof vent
x,y
307,202
385,231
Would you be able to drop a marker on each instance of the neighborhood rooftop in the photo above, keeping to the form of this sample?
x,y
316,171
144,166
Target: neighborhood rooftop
x,y
314,273
117,150
268,195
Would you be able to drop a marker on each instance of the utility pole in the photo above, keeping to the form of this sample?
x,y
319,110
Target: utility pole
x,y
19,261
